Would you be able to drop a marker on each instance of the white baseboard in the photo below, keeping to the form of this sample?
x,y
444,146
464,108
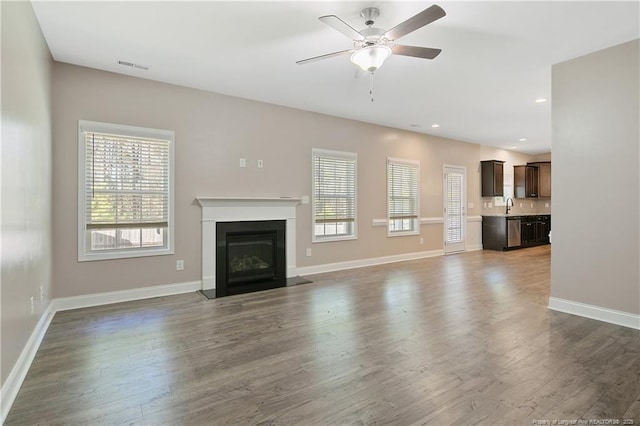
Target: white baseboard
x,y
599,313
88,300
475,247
351,264
12,385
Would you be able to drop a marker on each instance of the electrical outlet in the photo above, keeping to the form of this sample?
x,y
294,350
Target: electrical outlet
x,y
179,265
308,252
484,205
41,294
32,305
520,205
531,205
243,162
546,205
490,205
471,205
260,164
421,240
305,199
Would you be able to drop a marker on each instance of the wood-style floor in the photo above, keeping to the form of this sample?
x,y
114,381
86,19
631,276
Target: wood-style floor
x,y
463,339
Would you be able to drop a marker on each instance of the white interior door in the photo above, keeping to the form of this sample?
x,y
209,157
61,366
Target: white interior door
x,y
455,194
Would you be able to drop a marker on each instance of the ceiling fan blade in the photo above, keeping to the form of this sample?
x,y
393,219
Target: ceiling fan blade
x,y
416,52
328,55
423,18
338,24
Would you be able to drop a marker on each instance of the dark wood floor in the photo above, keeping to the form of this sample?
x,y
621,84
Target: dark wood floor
x,y
463,339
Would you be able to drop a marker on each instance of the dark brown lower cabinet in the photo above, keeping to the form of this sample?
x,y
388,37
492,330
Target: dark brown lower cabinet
x,y
499,232
535,230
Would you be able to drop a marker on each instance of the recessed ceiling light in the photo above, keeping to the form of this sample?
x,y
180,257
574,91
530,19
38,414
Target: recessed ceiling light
x,y
540,100
523,139
413,125
514,147
435,125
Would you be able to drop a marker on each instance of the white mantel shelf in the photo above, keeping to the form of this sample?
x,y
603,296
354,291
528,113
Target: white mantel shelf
x,y
242,200
235,209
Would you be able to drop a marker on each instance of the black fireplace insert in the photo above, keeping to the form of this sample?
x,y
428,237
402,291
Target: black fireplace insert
x,y
250,256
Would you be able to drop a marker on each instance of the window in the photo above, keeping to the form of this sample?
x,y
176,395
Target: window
x,y
334,195
125,197
508,191
402,196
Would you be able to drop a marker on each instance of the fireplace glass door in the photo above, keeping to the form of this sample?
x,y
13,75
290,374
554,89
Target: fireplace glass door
x,y
251,257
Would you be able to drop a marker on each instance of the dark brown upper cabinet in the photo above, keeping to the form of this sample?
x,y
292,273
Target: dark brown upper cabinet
x,y
492,172
525,181
544,178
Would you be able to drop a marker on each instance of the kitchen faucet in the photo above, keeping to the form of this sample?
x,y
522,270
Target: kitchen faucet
x,y
509,208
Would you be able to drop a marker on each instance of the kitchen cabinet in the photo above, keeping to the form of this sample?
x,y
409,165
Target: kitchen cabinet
x,y
492,173
544,177
535,230
506,232
545,228
525,181
494,233
528,231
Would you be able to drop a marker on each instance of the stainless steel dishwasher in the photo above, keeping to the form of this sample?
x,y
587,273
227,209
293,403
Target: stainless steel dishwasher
x,y
513,232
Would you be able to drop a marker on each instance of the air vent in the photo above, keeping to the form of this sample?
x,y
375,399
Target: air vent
x,y
132,65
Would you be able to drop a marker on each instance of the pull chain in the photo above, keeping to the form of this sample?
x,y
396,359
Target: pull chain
x,y
371,85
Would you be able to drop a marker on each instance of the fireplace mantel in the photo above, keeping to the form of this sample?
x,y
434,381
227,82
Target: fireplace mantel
x,y
232,209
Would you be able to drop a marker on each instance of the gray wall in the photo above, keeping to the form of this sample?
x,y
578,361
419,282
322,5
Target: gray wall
x,y
26,178
596,184
212,132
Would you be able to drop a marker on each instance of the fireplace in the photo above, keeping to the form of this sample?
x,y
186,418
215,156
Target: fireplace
x,y
243,209
250,256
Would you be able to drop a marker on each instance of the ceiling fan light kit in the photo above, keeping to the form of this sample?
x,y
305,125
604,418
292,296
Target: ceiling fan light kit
x,y
370,58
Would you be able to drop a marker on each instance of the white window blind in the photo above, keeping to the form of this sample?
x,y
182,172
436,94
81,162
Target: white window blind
x,y
454,207
126,191
402,195
127,181
334,195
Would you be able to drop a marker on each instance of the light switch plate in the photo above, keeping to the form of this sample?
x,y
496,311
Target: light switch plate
x,y
305,199
243,162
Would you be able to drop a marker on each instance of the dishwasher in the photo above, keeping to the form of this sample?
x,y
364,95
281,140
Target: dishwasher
x,y
513,232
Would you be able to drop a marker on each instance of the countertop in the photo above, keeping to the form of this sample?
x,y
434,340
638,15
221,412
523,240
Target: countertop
x,y
517,214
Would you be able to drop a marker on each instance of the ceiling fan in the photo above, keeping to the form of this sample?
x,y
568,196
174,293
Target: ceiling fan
x,y
372,46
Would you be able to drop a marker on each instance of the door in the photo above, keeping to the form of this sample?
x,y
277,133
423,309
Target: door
x,y
531,183
498,179
455,194
544,177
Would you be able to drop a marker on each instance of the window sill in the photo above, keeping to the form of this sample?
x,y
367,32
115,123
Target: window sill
x,y
402,233
333,239
124,254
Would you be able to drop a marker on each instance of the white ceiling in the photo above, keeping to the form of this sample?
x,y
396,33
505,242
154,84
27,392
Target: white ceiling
x,y
496,58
